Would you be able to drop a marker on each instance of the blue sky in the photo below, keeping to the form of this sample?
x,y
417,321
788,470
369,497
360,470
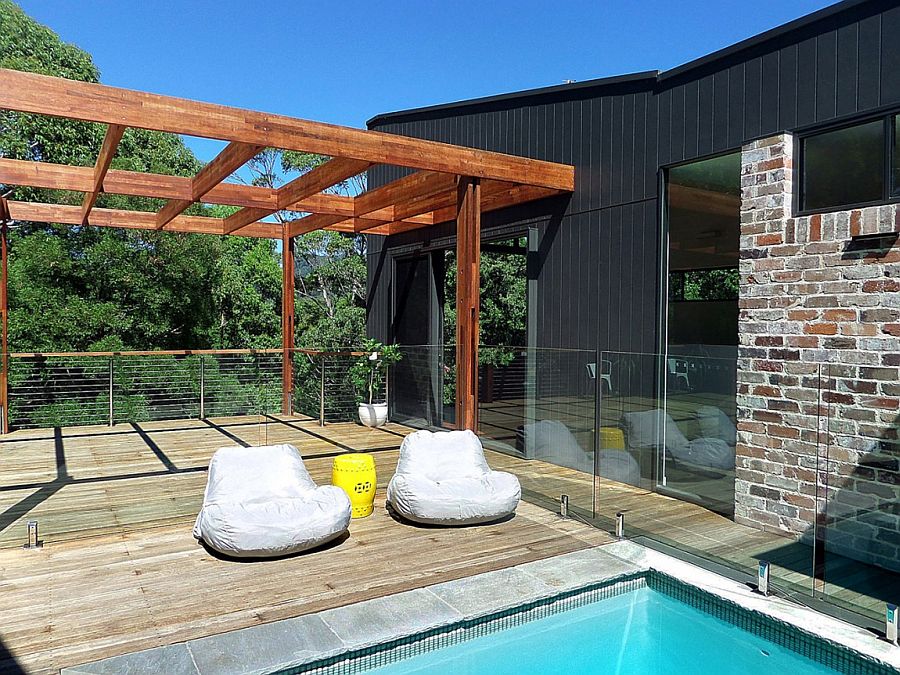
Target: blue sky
x,y
345,62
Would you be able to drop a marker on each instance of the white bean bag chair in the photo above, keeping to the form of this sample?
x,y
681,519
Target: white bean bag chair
x,y
261,502
442,478
655,428
551,441
714,423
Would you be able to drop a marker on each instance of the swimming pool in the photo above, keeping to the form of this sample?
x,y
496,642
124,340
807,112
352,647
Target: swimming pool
x,y
640,632
639,624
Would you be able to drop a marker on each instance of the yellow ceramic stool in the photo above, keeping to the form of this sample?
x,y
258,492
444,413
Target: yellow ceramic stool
x,y
611,438
354,473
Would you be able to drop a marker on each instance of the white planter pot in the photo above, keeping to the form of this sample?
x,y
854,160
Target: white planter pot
x,y
373,414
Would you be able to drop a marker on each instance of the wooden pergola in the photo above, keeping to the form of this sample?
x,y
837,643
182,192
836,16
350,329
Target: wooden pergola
x,y
448,183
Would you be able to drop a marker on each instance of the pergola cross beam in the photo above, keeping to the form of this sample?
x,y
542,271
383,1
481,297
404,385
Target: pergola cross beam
x,y
104,160
232,158
291,194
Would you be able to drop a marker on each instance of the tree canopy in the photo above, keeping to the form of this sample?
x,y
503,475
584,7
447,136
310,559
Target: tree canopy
x,y
85,289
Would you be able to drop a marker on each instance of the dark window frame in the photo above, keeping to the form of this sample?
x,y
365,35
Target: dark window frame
x,y
891,159
890,190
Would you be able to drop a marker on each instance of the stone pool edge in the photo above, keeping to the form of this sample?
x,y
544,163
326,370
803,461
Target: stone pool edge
x,y
311,639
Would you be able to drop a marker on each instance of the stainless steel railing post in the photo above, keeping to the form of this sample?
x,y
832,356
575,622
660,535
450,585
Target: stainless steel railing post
x,y
202,389
111,375
322,396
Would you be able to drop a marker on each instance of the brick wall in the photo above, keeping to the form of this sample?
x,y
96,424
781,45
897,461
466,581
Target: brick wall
x,y
818,361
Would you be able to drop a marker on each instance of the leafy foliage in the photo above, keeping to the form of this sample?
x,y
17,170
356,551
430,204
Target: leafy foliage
x,y
715,284
99,289
504,300
369,371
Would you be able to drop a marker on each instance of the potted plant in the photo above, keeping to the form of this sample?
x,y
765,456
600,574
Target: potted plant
x,y
368,375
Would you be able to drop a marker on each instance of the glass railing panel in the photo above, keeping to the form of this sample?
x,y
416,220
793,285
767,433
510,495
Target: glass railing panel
x,y
538,407
671,457
416,387
700,398
536,412
631,437
103,444
859,526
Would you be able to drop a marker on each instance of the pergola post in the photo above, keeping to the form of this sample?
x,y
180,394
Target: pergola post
x,y
4,322
468,293
287,321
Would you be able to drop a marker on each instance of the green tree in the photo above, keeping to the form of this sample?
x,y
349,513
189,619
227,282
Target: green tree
x,y
503,307
75,288
331,268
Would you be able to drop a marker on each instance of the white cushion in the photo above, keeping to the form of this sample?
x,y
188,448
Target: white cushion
x,y
262,502
443,478
645,429
551,441
711,452
714,423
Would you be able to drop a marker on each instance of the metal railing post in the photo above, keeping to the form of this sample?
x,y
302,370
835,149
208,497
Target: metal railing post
x,y
111,375
322,396
202,389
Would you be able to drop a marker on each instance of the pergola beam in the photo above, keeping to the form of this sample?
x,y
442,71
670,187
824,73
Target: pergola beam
x,y
104,159
232,158
130,183
500,198
420,184
319,179
160,186
133,220
41,94
313,182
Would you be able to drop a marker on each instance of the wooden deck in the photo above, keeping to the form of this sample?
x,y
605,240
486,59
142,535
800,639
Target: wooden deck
x,y
695,530
120,570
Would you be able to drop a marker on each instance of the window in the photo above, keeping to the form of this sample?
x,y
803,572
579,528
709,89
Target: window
x,y
703,231
844,167
694,285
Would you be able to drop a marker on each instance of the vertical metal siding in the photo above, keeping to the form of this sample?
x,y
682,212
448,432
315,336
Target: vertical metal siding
x,y
598,280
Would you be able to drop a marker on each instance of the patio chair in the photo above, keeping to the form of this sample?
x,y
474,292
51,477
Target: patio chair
x,y
262,502
443,478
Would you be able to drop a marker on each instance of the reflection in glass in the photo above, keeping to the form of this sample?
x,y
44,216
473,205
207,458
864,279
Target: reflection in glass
x,y
844,167
686,442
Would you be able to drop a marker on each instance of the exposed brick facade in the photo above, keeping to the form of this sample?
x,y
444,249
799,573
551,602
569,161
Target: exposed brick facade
x,y
818,365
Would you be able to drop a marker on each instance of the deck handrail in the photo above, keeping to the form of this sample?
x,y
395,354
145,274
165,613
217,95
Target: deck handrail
x,y
125,385
184,352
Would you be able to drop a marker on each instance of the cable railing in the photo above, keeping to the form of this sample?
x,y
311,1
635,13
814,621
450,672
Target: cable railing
x,y
58,389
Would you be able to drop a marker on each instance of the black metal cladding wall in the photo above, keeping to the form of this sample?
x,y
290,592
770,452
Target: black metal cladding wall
x,y
598,266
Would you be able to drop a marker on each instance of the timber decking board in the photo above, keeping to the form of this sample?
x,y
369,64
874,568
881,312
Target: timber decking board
x,y
120,570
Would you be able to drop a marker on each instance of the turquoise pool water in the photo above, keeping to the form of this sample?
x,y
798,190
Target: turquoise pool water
x,y
641,632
